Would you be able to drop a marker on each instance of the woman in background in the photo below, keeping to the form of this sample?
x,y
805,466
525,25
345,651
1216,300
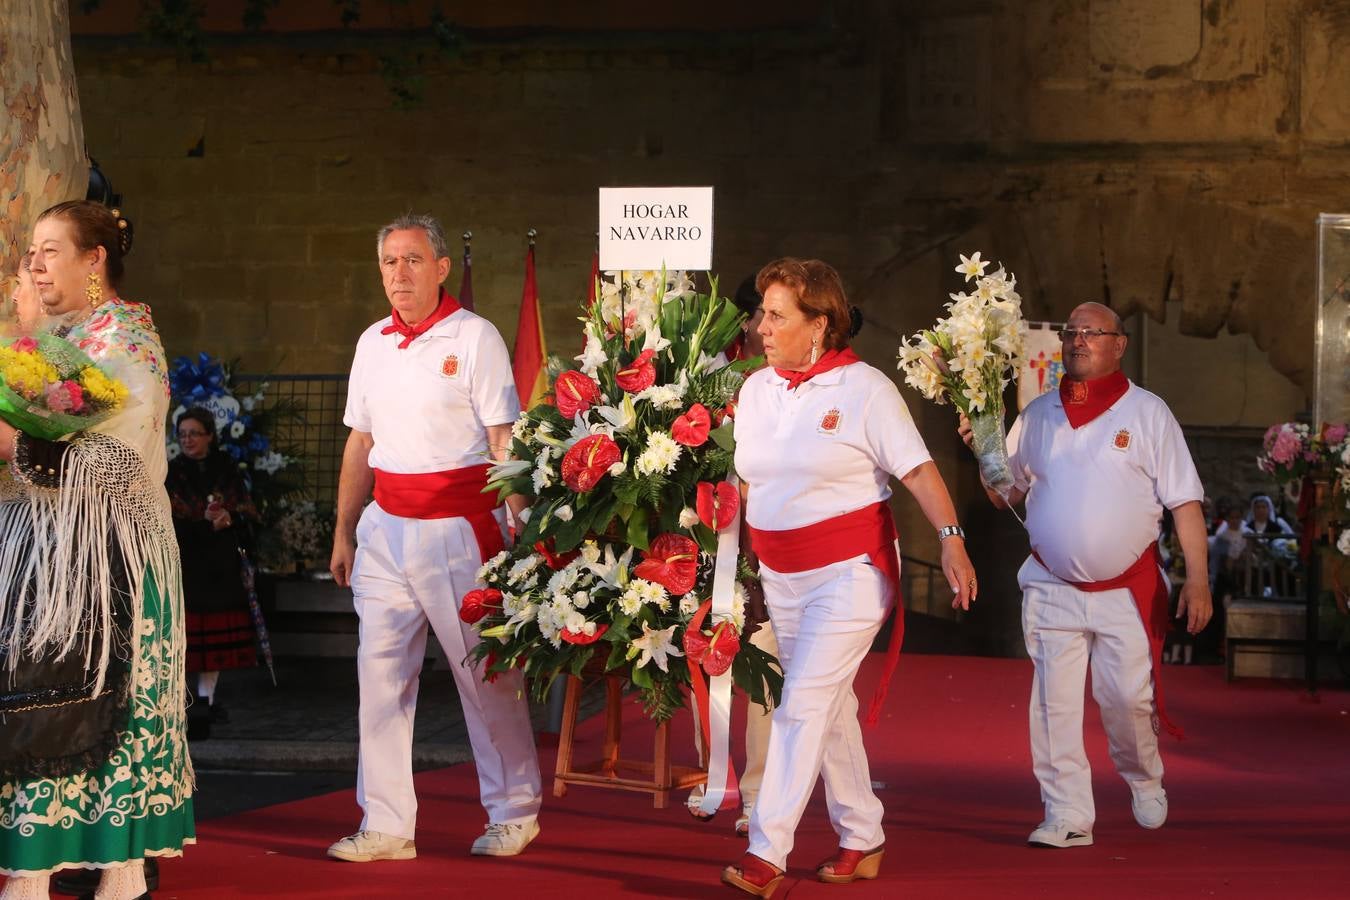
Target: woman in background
x,y
212,513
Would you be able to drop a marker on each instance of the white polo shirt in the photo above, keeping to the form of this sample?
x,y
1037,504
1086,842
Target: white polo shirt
x,y
427,406
825,449
1097,493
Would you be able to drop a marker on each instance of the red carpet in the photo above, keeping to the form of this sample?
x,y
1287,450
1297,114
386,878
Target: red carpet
x,y
1259,808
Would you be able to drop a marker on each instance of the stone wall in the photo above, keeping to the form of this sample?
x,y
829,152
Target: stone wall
x,y
1169,156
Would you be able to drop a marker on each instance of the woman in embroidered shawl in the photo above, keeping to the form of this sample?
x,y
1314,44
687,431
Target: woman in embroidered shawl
x,y
94,770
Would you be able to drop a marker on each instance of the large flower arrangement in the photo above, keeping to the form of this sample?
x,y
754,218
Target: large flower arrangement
x,y
966,358
245,425
626,466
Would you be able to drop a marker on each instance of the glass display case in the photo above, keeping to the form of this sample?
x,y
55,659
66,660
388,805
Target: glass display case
x,y
1331,380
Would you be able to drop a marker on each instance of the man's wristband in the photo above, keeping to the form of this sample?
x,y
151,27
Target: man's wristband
x,y
947,531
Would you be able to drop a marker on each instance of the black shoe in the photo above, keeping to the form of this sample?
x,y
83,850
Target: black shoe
x,y
198,720
90,896
219,714
83,882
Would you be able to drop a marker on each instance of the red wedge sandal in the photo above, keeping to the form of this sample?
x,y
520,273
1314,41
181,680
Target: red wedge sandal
x,y
753,875
851,865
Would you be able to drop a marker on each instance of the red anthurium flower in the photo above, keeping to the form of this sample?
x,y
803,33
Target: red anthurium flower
x,y
715,651
574,392
581,637
639,375
717,504
478,603
671,561
587,462
691,429
554,561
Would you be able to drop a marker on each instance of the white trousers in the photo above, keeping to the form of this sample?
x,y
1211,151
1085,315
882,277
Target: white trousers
x,y
825,621
1065,630
408,573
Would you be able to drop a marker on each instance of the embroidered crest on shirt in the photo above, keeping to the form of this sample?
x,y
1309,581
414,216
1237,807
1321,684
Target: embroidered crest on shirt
x,y
450,366
829,423
1122,440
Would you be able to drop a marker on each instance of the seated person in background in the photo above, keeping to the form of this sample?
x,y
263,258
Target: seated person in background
x,y
1261,518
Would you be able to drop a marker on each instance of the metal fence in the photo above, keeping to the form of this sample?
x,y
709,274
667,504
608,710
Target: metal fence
x,y
316,431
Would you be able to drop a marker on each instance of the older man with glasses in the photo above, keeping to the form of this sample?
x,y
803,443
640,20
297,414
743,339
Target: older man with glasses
x,y
1097,463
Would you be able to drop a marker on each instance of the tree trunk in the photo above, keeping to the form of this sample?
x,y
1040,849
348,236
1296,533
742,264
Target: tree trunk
x,y
42,159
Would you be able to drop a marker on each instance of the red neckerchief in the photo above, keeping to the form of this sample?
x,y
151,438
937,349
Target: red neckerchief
x,y
833,359
447,306
1086,400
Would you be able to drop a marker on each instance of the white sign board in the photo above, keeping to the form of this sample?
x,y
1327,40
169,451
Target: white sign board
x,y
651,227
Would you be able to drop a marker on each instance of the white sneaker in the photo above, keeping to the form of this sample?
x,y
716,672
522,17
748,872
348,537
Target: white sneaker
x,y
1059,834
1150,812
505,840
369,846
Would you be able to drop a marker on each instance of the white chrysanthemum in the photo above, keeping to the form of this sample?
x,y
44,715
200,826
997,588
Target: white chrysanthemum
x,y
630,601
523,569
542,478
689,605
661,455
489,567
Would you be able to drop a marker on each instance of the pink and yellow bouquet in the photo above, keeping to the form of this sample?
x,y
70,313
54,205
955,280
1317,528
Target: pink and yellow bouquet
x,y
49,388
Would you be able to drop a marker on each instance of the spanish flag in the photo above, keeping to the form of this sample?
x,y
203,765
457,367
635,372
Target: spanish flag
x,y
530,360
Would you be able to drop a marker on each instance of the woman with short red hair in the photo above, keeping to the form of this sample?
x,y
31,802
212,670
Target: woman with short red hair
x,y
819,434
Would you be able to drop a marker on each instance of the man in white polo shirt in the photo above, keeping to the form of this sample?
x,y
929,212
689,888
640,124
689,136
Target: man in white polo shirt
x,y
431,396
1097,463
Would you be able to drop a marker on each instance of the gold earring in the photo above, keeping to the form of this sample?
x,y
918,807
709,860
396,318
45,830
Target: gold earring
x,y
814,351
93,291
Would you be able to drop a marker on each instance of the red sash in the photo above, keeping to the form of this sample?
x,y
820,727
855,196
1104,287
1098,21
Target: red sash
x,y
444,495
869,530
1144,580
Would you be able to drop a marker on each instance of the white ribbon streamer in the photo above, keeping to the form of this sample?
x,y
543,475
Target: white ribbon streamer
x,y
719,686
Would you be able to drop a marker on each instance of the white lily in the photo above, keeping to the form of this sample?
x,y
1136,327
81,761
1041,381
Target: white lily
x,y
652,340
972,266
622,417
593,355
613,572
655,644
508,469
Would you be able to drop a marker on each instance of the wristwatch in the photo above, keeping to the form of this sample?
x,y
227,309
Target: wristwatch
x,y
947,531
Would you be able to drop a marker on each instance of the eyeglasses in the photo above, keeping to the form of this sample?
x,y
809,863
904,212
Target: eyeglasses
x,y
1069,335
184,435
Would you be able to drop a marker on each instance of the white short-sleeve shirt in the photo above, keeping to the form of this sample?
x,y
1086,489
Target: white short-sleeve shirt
x,y
1096,494
825,449
427,406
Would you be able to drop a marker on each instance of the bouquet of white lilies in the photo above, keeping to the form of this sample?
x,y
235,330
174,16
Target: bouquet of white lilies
x,y
966,358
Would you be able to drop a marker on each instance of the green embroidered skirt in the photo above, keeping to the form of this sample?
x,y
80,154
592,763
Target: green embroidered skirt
x,y
139,802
